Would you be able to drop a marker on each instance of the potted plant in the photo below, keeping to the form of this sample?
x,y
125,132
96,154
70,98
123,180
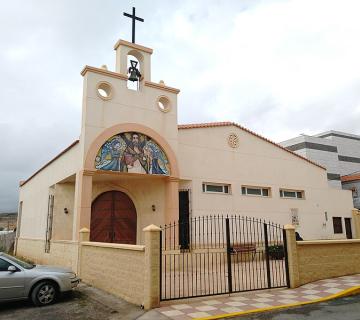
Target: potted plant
x,y
276,252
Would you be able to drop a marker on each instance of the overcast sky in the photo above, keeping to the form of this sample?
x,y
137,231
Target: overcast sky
x,y
280,68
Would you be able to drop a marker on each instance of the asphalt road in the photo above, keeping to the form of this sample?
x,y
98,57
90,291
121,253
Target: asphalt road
x,y
347,308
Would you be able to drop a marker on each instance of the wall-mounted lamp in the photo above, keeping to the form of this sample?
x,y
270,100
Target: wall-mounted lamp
x,y
66,211
153,207
326,216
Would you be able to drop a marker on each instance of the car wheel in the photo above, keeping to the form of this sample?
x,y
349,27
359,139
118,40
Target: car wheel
x,y
44,293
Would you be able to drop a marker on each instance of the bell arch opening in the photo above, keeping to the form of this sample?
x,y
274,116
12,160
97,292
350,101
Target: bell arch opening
x,y
134,69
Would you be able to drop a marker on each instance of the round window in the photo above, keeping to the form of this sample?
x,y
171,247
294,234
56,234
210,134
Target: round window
x,y
104,90
163,104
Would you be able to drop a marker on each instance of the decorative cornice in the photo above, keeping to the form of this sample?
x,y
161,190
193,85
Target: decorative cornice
x,y
161,87
132,45
104,72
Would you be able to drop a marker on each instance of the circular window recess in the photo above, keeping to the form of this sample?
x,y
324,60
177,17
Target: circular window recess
x,y
104,90
163,104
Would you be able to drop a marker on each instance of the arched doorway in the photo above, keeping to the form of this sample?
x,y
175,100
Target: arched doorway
x,y
113,218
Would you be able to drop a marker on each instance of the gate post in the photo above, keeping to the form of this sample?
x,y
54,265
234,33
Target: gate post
x,y
228,251
152,267
266,238
293,263
356,222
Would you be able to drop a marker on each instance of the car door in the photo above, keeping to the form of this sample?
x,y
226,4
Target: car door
x,y
11,283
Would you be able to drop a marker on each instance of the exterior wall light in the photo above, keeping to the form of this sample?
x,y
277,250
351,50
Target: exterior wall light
x,y
66,211
153,207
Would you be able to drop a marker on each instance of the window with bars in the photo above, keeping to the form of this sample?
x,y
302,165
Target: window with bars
x,y
292,194
337,223
216,188
255,191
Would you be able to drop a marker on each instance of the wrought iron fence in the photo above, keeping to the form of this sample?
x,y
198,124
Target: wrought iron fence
x,y
221,254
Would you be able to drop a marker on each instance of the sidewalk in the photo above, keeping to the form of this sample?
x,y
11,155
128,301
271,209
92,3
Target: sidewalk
x,y
216,307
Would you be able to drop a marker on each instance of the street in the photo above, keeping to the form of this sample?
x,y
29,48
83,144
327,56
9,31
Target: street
x,y
83,303
347,308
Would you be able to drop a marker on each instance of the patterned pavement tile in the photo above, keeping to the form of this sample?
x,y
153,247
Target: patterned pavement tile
x,y
287,301
212,302
261,305
205,308
264,295
181,306
235,303
199,314
255,300
172,313
311,297
231,309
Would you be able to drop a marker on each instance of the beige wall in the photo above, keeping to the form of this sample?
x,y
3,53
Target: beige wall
x,y
115,268
62,253
126,106
34,194
62,222
205,156
144,193
327,259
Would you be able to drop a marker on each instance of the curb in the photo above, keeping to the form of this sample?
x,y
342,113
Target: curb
x,y
344,293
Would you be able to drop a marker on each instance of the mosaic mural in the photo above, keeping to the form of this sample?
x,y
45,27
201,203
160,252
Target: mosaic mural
x,y
132,152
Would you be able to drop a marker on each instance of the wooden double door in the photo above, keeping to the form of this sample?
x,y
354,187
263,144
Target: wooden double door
x,y
113,218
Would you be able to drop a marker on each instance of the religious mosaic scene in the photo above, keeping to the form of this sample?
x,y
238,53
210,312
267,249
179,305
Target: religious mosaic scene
x,y
132,152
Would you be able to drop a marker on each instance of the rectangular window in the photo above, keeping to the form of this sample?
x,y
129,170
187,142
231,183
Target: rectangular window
x,y
216,188
295,194
255,191
337,225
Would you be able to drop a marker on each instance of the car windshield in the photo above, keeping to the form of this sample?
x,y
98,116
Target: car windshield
x,y
19,262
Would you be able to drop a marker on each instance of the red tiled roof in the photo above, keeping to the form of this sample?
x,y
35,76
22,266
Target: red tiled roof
x,y
226,124
194,126
352,177
51,161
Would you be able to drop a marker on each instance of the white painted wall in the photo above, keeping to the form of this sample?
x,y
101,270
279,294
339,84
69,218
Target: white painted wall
x,y
205,156
34,194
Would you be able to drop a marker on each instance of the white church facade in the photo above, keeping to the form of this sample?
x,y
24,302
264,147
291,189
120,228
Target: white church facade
x,y
134,165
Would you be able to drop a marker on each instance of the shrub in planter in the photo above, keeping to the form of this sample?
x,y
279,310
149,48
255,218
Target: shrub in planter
x,y
276,252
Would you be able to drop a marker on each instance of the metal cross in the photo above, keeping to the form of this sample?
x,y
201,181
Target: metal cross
x,y
133,17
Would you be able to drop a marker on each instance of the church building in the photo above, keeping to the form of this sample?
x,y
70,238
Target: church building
x,y
134,165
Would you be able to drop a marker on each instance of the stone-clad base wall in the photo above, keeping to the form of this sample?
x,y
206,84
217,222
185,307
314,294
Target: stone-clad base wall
x,y
62,253
115,268
327,259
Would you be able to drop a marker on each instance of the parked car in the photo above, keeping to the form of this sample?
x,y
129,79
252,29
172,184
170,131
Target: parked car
x,y
42,284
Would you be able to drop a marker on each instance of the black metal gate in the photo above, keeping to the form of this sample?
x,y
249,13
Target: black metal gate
x,y
221,255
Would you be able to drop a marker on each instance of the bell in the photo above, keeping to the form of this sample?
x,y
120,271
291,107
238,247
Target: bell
x,y
133,75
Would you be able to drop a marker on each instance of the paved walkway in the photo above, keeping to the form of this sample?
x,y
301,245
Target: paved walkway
x,y
255,300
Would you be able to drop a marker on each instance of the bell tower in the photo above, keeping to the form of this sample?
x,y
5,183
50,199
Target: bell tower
x,y
124,49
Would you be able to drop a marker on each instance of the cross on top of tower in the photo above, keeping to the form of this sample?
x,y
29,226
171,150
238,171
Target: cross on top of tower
x,y
133,17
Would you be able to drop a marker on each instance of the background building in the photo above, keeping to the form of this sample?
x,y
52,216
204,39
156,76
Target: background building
x,y
338,152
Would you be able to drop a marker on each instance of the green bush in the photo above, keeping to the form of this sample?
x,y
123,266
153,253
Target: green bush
x,y
276,252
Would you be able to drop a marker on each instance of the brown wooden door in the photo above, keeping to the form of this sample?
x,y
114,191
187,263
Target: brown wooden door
x,y
124,219
100,225
113,218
